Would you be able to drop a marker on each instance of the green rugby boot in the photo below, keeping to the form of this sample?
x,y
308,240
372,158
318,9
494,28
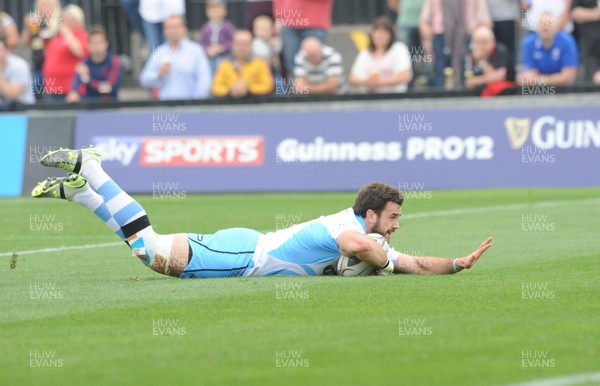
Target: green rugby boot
x,y
60,187
71,160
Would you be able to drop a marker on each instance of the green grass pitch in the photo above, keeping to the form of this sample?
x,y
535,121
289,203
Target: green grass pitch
x,y
529,310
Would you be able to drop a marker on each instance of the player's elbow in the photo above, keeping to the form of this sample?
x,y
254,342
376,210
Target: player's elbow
x,y
355,246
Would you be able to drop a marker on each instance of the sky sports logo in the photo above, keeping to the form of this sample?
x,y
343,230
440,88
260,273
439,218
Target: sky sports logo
x,y
182,151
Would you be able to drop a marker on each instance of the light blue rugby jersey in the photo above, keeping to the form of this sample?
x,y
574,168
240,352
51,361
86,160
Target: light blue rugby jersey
x,y
306,248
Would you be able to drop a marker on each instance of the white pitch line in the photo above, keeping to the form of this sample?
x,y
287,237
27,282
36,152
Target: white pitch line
x,y
567,380
496,208
439,213
60,249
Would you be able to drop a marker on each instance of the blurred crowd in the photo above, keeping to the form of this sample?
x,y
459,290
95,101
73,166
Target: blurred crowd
x,y
485,45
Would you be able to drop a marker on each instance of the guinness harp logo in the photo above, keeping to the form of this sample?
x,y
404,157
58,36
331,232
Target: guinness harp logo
x,y
518,131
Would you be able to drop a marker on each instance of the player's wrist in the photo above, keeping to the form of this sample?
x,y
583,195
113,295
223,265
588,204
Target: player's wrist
x,y
456,266
388,268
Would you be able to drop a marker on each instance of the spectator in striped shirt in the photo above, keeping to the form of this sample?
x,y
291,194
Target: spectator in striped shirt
x,y
297,20
99,76
318,68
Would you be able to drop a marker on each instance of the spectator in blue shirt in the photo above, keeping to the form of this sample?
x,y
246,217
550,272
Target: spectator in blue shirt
x,y
550,57
99,76
179,68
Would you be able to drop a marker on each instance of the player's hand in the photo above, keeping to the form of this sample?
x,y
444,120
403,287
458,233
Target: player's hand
x,y
470,260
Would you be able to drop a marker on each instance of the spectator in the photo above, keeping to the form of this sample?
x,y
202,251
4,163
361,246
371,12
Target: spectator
x,y
178,69
298,20
586,13
39,26
487,65
318,68
243,75
64,52
132,11
407,29
560,9
14,79
256,8
445,28
100,75
266,45
63,3
597,77
505,13
385,67
8,29
154,13
407,22
550,57
217,33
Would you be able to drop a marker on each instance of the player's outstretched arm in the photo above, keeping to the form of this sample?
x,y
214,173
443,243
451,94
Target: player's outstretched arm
x,y
438,266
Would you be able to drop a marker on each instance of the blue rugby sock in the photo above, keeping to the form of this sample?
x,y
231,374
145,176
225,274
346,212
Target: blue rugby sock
x,y
117,206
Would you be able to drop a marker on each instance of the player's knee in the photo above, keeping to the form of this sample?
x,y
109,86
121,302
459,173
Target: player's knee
x,y
164,254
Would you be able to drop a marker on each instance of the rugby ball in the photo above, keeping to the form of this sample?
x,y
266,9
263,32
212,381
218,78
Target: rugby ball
x,y
353,266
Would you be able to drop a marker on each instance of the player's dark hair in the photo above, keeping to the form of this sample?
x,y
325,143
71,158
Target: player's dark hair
x,y
375,196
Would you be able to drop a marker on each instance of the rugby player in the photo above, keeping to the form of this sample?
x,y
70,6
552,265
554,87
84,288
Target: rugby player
x,y
310,248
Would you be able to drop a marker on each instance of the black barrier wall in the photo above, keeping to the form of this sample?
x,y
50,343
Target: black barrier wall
x,y
45,134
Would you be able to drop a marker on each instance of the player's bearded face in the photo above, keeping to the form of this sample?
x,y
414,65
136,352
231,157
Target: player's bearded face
x,y
386,221
381,229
